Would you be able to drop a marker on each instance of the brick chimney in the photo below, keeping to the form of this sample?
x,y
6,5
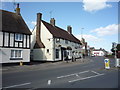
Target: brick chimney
x,y
38,29
17,9
52,21
69,29
38,43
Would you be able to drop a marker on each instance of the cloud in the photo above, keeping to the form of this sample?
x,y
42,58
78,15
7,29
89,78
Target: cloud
x,y
95,5
33,22
108,30
89,38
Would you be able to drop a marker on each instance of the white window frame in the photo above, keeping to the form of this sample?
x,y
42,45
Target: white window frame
x,y
18,37
57,54
14,53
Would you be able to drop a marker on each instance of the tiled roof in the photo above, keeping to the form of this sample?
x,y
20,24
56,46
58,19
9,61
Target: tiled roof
x,y
60,33
11,22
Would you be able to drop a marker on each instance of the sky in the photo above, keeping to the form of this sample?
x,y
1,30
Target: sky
x,y
96,21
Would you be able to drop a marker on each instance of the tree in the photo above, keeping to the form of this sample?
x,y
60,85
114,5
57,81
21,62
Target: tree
x,y
118,49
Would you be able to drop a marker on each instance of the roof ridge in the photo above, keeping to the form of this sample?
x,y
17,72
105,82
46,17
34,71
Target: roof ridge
x,y
7,11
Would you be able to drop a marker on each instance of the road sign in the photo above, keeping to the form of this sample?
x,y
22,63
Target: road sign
x,y
107,63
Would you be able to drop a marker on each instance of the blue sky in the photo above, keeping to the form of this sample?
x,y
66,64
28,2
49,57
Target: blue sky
x,y
99,19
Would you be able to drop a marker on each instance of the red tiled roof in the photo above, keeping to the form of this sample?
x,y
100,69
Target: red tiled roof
x,y
60,33
11,22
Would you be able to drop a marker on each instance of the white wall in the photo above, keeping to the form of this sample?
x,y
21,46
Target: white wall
x,y
38,54
11,39
33,38
6,55
47,39
100,53
1,38
6,39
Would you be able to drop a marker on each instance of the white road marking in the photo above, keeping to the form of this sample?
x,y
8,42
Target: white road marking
x,y
49,82
95,72
17,85
77,75
3,69
85,78
72,74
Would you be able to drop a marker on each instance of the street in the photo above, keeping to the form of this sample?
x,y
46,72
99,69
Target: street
x,y
87,75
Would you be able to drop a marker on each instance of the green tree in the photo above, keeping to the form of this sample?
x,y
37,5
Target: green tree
x,y
118,49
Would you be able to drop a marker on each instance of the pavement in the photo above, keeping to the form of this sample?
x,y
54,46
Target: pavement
x,y
43,66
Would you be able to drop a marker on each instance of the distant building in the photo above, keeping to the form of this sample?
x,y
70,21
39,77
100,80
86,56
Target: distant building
x,y
99,52
14,38
52,43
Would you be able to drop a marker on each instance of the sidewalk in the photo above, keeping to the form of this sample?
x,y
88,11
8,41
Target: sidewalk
x,y
43,66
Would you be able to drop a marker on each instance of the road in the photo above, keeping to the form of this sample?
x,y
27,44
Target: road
x,y
89,75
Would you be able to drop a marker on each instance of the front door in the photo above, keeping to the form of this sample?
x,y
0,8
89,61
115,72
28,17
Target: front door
x,y
63,53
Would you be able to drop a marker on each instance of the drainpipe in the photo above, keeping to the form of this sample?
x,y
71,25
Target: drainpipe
x,y
53,49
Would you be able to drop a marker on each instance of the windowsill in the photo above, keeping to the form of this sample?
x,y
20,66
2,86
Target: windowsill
x,y
19,40
16,58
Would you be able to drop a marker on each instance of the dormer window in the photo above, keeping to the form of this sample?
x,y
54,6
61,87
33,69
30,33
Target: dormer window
x,y
18,37
57,40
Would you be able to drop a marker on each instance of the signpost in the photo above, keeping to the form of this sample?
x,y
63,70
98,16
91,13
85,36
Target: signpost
x,y
107,63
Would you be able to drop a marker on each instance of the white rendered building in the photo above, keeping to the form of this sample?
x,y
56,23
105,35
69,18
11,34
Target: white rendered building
x,y
52,43
98,52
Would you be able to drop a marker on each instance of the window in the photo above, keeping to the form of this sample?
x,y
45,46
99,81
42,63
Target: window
x,y
57,53
47,50
57,40
66,41
16,53
18,37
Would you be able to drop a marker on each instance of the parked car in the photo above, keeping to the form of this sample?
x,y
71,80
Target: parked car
x,y
92,55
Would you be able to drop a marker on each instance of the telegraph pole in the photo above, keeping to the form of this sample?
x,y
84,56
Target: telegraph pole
x,y
82,33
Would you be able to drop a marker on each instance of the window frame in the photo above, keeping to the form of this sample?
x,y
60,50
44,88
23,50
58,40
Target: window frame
x,y
57,53
18,37
66,41
16,54
57,40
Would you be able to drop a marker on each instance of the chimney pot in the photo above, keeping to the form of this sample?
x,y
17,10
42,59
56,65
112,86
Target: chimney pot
x,y
52,21
17,9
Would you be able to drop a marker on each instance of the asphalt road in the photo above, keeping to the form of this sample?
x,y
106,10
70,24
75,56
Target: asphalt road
x,y
89,75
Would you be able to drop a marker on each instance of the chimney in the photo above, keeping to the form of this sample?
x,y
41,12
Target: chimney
x,y
38,29
69,29
52,21
17,9
38,43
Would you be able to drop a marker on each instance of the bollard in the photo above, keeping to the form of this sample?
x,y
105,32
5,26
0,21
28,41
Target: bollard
x,y
107,63
21,63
